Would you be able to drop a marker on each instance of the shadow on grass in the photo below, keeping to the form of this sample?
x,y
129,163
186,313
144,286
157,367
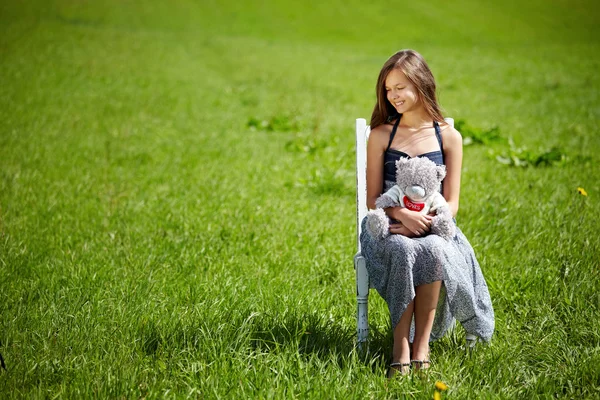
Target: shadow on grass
x,y
311,335
320,336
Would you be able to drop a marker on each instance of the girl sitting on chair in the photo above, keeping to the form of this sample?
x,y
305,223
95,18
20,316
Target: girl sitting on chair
x,y
426,281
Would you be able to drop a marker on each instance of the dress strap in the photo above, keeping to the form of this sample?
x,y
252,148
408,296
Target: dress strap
x,y
438,135
393,132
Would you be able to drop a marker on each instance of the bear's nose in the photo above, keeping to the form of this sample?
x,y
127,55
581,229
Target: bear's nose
x,y
415,192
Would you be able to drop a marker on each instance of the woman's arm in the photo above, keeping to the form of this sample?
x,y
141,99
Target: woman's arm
x,y
453,154
375,155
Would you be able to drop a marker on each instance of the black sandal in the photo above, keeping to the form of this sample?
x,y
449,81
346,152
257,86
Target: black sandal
x,y
420,364
394,367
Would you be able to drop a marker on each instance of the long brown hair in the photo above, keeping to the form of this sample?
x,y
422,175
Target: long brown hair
x,y
413,65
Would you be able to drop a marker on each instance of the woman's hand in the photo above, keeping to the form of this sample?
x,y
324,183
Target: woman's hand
x,y
399,229
416,223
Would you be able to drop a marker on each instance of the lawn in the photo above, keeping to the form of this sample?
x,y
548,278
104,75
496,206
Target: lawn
x,y
177,195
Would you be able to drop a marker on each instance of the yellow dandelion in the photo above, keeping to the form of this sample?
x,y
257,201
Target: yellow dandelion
x,y
582,191
437,395
441,386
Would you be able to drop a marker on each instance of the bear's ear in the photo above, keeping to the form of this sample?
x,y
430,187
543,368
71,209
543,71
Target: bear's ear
x,y
401,166
401,161
441,172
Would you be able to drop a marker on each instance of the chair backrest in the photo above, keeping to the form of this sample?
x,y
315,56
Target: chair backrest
x,y
362,135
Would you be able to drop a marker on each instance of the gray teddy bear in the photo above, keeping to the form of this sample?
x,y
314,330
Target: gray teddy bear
x,y
417,182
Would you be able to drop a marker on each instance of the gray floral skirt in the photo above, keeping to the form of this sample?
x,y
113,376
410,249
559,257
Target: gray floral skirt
x,y
398,264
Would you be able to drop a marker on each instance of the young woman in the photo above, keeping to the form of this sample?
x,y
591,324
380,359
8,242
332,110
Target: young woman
x,y
427,281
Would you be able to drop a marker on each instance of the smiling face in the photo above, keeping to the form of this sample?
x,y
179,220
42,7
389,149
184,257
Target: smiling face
x,y
405,83
400,92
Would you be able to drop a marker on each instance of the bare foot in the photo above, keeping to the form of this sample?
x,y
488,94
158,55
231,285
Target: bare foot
x,y
398,368
420,364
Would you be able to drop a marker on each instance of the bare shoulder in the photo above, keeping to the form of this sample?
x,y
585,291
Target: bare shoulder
x,y
450,136
381,135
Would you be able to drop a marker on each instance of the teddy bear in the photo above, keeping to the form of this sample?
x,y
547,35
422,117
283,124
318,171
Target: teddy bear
x,y
417,182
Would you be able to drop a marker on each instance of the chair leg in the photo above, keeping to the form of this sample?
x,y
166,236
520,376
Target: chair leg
x,y
362,300
362,323
471,341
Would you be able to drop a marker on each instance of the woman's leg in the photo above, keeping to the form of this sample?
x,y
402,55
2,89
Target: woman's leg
x,y
425,304
401,349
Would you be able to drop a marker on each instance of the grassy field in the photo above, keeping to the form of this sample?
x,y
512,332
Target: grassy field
x,y
177,195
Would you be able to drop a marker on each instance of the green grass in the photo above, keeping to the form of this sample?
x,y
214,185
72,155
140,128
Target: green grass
x,y
177,196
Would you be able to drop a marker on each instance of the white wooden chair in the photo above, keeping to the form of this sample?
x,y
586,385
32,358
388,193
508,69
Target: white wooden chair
x,y
362,276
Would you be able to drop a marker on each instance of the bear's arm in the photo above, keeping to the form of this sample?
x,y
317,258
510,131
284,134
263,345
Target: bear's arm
x,y
437,202
391,198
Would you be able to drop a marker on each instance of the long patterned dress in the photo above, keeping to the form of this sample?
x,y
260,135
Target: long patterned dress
x,y
398,264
